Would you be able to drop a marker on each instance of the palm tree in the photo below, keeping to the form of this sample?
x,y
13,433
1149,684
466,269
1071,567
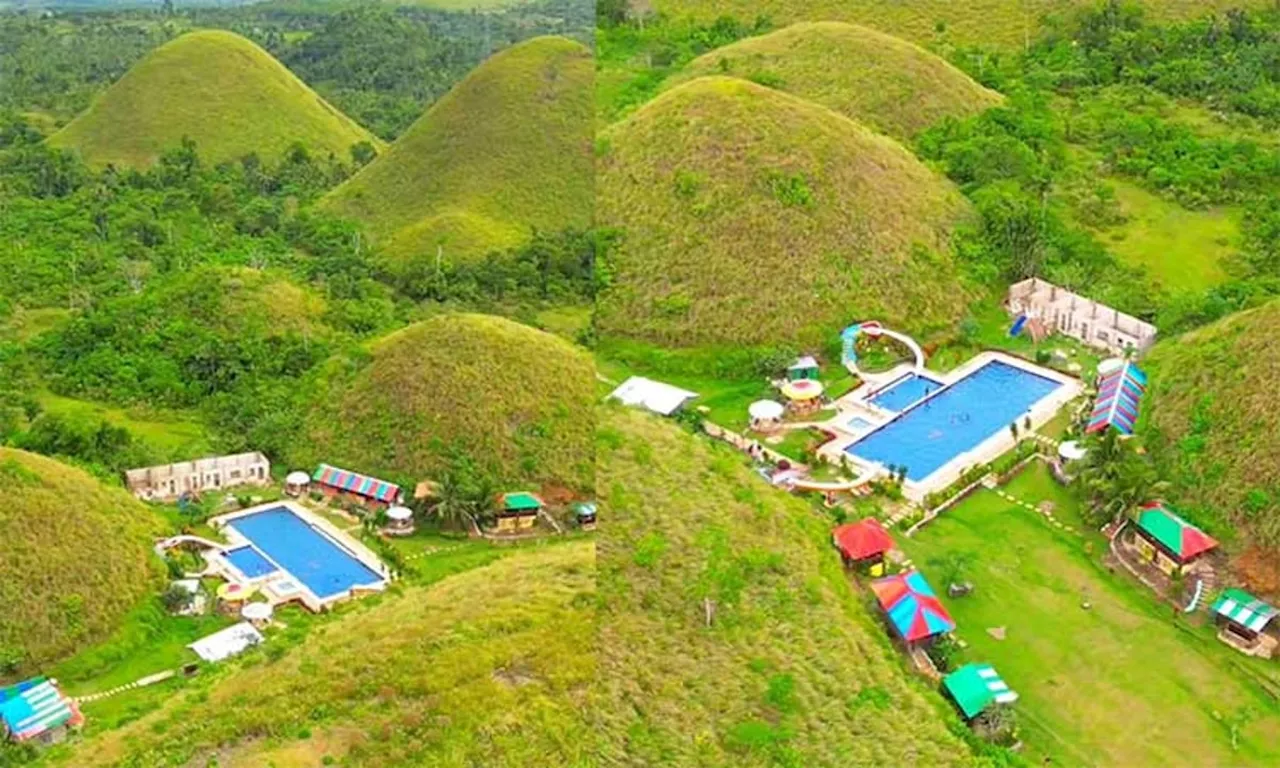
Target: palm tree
x,y
1115,479
452,504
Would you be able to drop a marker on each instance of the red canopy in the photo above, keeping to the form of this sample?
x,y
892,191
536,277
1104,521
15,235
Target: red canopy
x,y
863,539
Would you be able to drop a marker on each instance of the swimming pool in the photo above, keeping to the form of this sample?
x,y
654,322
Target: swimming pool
x,y
250,562
311,557
906,391
955,420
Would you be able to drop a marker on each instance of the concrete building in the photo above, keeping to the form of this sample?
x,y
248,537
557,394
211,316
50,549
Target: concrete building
x,y
169,481
1071,314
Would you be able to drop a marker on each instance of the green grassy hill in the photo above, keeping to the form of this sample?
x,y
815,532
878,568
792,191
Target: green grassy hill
x,y
752,217
489,667
888,84
221,90
506,151
1000,23
76,558
512,400
793,670
1212,420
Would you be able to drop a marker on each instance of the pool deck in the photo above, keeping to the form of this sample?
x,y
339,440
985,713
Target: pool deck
x,y
855,404
281,586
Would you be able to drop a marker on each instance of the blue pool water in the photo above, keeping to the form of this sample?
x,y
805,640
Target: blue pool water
x,y
955,419
907,390
250,562
310,556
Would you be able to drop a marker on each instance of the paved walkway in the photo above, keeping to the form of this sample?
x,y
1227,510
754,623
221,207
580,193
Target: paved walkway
x,y
1047,515
139,683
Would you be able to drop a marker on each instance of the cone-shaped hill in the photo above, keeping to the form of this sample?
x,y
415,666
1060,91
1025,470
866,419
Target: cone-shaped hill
x,y
76,558
217,88
508,399
1212,421
506,151
752,217
891,85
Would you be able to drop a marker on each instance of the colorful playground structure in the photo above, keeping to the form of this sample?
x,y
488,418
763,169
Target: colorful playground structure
x,y
849,337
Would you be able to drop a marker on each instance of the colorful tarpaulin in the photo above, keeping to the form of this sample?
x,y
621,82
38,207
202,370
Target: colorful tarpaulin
x,y
863,539
31,708
1178,536
361,485
1244,609
975,687
1119,393
912,606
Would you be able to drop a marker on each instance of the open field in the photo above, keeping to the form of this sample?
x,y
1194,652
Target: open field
x,y
1117,684
1001,23
175,437
1183,250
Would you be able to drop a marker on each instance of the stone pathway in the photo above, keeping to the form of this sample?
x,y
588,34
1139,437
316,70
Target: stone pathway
x,y
432,551
139,683
1045,513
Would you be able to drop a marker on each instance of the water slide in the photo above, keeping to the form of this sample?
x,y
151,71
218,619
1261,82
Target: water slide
x,y
1017,325
872,328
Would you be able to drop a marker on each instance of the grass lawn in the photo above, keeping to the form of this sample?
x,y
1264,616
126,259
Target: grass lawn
x,y
1118,684
1181,249
172,436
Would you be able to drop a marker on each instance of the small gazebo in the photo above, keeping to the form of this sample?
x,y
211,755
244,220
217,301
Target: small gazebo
x,y
399,521
863,545
258,614
803,396
912,607
517,511
297,483
975,688
803,368
585,514
1243,621
766,415
233,595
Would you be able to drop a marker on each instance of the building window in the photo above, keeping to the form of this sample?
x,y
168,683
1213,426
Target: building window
x,y
1102,335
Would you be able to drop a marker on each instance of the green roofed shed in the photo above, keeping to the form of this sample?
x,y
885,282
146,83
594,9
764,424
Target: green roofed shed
x,y
521,501
974,687
1243,609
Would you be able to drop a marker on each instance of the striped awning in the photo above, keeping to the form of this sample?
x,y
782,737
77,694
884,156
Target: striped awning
x,y
1244,609
361,485
34,707
974,687
1118,396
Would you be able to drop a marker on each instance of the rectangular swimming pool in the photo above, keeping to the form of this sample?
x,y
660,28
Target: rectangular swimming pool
x,y
905,392
310,556
955,420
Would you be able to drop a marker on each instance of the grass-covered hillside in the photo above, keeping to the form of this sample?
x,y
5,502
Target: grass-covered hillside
x,y
998,23
508,150
459,391
889,84
792,670
489,667
76,557
753,217
218,89
1213,420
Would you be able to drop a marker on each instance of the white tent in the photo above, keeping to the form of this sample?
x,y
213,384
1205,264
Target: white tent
x,y
399,514
655,396
257,612
298,478
1071,451
766,410
228,642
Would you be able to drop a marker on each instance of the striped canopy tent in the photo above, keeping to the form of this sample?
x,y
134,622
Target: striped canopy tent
x,y
913,608
34,707
1176,536
974,687
862,540
1243,609
361,485
1119,393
